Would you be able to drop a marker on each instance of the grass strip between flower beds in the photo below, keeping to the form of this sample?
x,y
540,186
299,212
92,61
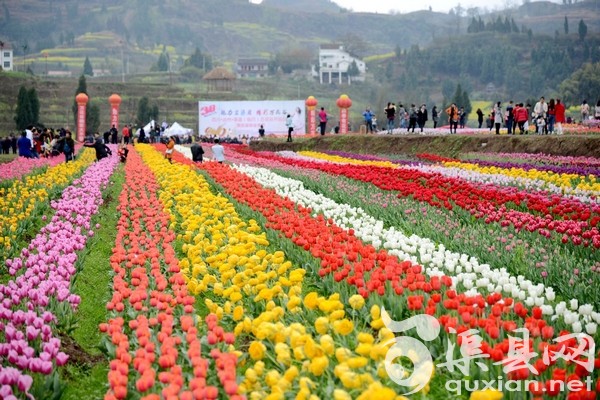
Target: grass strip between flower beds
x,y
85,373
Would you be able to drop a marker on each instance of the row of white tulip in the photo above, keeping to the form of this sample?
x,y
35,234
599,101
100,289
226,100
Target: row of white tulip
x,y
465,271
582,195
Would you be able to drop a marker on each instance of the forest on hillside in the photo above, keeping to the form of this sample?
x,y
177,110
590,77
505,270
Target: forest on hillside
x,y
537,48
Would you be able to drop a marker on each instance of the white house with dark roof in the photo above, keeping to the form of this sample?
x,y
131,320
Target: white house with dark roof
x,y
6,56
334,63
252,68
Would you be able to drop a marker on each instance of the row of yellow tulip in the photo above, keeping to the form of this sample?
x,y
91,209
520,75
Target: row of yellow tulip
x,y
296,342
19,200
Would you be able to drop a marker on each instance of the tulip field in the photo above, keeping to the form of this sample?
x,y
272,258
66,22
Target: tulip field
x,y
300,275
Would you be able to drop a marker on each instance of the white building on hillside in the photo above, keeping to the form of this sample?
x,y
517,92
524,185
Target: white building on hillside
x,y
335,63
6,56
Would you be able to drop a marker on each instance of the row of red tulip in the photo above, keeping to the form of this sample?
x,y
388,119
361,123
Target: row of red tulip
x,y
153,329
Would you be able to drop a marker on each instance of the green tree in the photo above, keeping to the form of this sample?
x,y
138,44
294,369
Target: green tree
x,y
146,112
163,62
23,116
466,102
143,112
353,69
34,105
87,67
582,84
199,60
81,88
566,25
582,30
92,117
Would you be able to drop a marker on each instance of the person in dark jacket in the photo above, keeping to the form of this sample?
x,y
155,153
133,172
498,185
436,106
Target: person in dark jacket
x,y
197,152
24,145
102,150
114,133
13,143
422,116
107,137
413,117
66,145
479,117
142,138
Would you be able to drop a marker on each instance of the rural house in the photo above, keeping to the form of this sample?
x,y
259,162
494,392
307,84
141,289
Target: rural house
x,y
336,64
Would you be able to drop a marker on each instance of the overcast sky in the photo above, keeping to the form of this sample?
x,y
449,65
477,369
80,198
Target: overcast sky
x,y
405,6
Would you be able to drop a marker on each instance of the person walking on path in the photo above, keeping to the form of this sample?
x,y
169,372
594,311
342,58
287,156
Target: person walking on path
x,y
197,152
289,122
435,116
323,121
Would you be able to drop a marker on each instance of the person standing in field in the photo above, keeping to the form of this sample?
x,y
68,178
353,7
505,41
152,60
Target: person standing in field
x,y
114,133
218,152
390,113
452,112
126,134
368,116
510,118
498,117
551,116
559,111
585,111
170,147
422,116
435,116
289,122
323,120
479,117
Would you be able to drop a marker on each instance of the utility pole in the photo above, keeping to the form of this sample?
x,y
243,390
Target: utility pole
x,y
24,56
122,63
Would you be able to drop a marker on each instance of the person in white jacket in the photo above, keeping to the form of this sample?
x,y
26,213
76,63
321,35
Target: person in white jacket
x,y
540,110
289,122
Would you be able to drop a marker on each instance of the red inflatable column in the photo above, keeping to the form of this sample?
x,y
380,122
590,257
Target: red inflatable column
x,y
115,102
344,103
311,103
82,100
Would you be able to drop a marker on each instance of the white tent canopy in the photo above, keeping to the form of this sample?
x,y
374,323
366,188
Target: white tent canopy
x,y
177,130
147,128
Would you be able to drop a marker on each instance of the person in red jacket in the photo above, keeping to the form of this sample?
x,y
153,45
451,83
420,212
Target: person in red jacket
x,y
521,117
559,111
126,134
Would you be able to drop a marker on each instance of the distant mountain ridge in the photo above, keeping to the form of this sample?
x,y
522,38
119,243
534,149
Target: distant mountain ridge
x,y
316,6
